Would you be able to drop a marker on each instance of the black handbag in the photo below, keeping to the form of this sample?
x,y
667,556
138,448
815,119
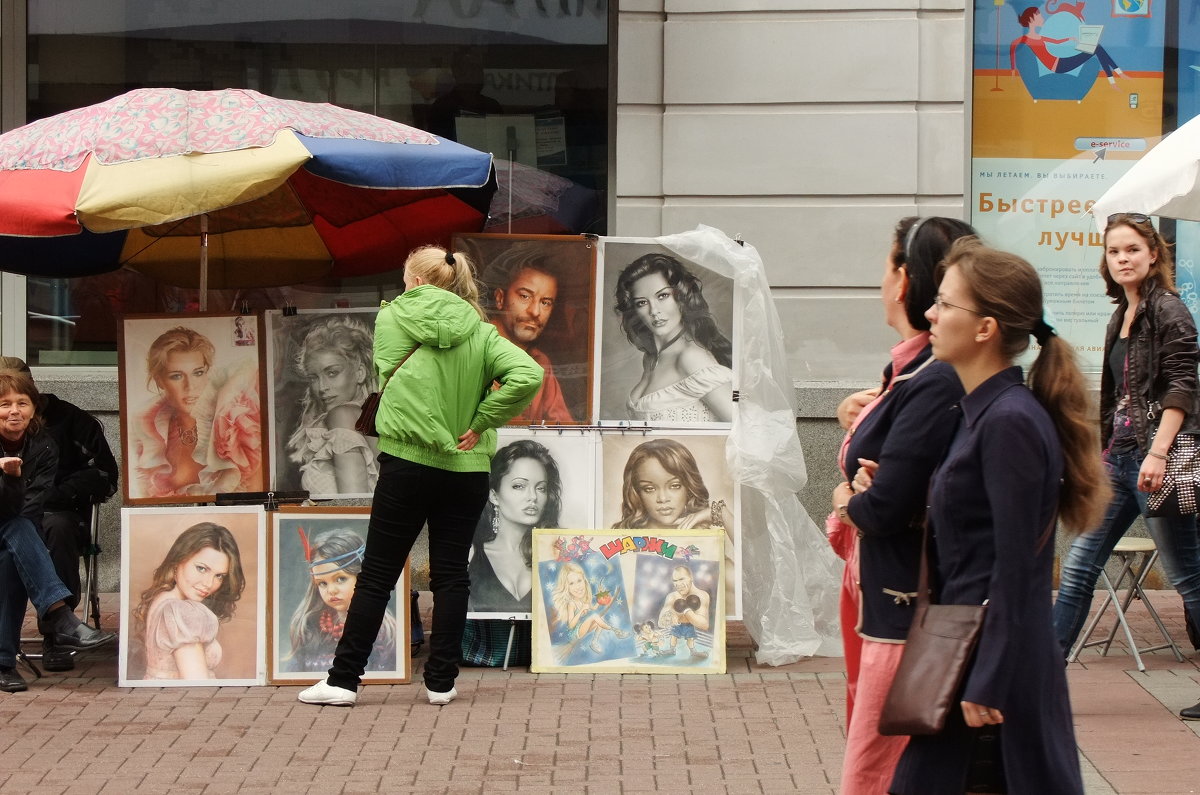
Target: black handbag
x,y
1181,481
940,643
365,424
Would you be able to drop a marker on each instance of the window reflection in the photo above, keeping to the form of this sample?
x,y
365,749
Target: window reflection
x,y
524,79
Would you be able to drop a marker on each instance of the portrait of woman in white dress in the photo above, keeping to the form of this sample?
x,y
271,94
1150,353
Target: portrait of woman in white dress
x,y
686,356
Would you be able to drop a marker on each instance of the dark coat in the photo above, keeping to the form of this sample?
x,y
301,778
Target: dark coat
x,y
1162,365
907,432
991,503
87,470
26,495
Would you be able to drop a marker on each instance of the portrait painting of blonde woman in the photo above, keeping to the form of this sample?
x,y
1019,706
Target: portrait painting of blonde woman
x,y
319,372
191,410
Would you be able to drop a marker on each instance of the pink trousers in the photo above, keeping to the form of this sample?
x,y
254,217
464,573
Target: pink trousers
x,y
871,757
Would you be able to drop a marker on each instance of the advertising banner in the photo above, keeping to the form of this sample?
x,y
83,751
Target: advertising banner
x,y
1066,97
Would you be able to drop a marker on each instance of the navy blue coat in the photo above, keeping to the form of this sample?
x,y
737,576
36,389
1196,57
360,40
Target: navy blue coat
x,y
907,432
992,500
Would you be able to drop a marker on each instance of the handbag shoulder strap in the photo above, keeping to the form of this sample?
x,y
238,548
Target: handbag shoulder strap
x,y
399,364
923,577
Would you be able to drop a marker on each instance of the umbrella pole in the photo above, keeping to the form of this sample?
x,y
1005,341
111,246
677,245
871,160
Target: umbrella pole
x,y
203,262
512,155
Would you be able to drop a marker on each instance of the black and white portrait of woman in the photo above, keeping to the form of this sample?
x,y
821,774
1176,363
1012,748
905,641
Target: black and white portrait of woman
x,y
537,480
319,365
666,341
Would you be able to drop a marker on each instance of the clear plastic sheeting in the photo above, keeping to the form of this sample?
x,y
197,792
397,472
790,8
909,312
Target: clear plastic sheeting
x,y
790,574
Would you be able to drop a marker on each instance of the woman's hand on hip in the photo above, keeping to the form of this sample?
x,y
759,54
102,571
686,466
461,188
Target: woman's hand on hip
x,y
977,715
468,440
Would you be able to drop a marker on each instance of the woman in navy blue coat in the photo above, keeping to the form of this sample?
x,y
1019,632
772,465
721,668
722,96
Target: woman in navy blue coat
x,y
1022,456
904,429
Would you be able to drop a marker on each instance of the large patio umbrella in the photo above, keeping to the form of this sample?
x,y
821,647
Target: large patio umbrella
x,y
229,188
1165,181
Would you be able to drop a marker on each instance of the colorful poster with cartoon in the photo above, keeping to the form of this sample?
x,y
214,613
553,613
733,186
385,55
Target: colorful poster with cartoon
x,y
1066,96
612,603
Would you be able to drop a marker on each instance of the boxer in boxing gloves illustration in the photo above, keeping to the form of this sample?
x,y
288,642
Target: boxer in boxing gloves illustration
x,y
685,610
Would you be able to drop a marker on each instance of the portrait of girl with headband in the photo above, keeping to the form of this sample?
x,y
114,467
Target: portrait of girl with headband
x,y
333,559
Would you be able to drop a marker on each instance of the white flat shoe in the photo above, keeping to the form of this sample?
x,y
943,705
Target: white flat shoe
x,y
441,699
326,694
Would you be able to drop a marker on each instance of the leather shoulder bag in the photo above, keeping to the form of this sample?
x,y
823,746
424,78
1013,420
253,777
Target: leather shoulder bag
x,y
934,662
365,424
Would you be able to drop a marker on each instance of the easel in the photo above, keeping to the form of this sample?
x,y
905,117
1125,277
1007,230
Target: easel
x,y
512,633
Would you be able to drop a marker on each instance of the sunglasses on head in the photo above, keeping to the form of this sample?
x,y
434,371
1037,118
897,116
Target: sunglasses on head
x,y
1137,218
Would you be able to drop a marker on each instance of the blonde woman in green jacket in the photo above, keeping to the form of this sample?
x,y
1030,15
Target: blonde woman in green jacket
x,y
437,418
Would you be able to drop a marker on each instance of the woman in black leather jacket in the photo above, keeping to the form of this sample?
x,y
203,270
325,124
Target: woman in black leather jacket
x,y
1149,379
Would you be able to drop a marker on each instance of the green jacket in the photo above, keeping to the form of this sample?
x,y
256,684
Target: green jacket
x,y
445,386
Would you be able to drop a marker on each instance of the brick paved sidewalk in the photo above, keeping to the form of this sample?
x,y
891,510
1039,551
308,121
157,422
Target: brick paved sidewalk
x,y
756,729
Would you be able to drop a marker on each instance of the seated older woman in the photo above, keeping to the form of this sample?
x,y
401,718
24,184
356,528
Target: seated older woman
x,y
27,465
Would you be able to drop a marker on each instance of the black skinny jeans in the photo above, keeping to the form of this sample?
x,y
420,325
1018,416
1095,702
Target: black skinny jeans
x,y
407,495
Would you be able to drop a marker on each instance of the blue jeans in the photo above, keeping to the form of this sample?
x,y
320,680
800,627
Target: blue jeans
x,y
407,495
1072,61
26,575
1175,536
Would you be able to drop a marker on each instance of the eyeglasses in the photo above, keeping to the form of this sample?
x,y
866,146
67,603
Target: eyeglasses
x,y
942,303
1137,218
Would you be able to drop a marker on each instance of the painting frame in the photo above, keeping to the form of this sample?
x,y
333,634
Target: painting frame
x,y
348,334
223,398
624,364
702,463
611,602
564,346
576,506
154,532
1118,12
284,572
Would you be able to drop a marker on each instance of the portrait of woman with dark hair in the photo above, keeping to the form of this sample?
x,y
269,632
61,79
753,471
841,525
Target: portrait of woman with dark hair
x,y
525,492
662,488
675,483
194,590
192,607
687,359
